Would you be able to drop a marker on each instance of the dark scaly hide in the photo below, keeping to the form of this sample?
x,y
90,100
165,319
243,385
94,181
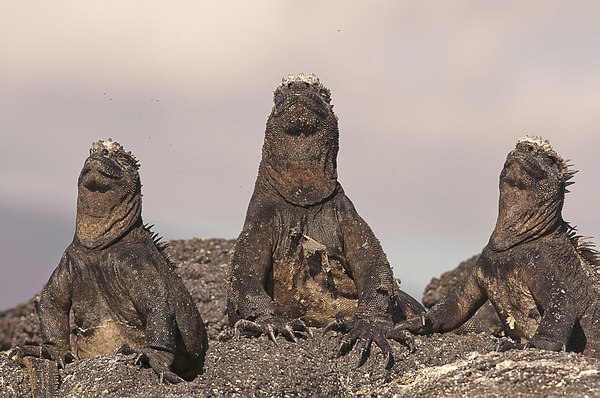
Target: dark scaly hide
x,y
533,184
114,281
532,190
540,276
301,142
304,252
109,200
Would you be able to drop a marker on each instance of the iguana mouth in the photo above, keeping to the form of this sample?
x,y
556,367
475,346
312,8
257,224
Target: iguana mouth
x,y
97,186
524,162
301,104
302,110
100,173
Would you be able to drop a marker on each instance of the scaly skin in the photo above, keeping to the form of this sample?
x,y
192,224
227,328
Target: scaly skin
x,y
116,282
541,278
305,257
485,320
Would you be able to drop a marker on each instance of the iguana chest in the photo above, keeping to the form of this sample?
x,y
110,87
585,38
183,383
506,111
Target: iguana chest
x,y
105,317
311,279
502,276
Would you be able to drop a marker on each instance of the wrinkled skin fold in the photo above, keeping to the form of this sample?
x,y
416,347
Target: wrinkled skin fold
x,y
305,258
541,278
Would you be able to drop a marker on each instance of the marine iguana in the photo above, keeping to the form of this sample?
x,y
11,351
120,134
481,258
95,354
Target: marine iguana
x,y
541,277
304,256
115,283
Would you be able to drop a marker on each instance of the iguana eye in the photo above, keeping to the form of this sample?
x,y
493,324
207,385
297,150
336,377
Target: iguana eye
x,y
124,160
526,147
550,160
278,99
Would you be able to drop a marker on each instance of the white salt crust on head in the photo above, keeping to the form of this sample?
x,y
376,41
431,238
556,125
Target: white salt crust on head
x,y
311,79
113,147
543,144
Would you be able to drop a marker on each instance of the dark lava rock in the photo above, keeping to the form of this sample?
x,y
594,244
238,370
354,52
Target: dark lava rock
x,y
19,325
448,365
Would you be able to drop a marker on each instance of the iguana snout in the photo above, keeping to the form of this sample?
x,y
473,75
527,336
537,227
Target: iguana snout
x,y
109,167
100,174
531,161
303,103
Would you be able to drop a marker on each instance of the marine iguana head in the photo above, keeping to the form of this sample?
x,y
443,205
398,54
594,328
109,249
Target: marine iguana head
x,y
301,141
532,188
109,200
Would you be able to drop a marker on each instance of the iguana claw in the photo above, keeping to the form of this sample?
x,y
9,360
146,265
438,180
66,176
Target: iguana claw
x,y
271,327
160,361
247,327
536,342
365,352
271,333
507,345
369,331
43,351
288,332
339,325
403,337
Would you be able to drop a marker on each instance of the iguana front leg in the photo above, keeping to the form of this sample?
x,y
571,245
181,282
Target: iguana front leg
x,y
374,283
450,313
153,301
42,362
557,323
250,308
53,310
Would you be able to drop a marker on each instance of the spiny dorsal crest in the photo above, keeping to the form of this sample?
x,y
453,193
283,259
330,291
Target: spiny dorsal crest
x,y
311,79
586,248
115,150
566,168
160,244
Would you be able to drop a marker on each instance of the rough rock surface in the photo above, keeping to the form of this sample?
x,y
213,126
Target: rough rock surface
x,y
447,365
19,325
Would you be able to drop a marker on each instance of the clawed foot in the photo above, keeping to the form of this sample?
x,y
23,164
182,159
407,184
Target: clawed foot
x,y
539,343
43,351
273,326
417,325
160,361
368,331
507,345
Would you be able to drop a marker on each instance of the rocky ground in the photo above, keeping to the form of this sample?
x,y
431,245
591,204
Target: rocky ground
x,y
447,365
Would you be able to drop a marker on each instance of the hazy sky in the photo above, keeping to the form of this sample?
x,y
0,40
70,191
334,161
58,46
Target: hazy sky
x,y
430,96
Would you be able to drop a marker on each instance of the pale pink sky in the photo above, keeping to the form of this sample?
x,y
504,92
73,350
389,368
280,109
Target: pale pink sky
x,y
430,96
